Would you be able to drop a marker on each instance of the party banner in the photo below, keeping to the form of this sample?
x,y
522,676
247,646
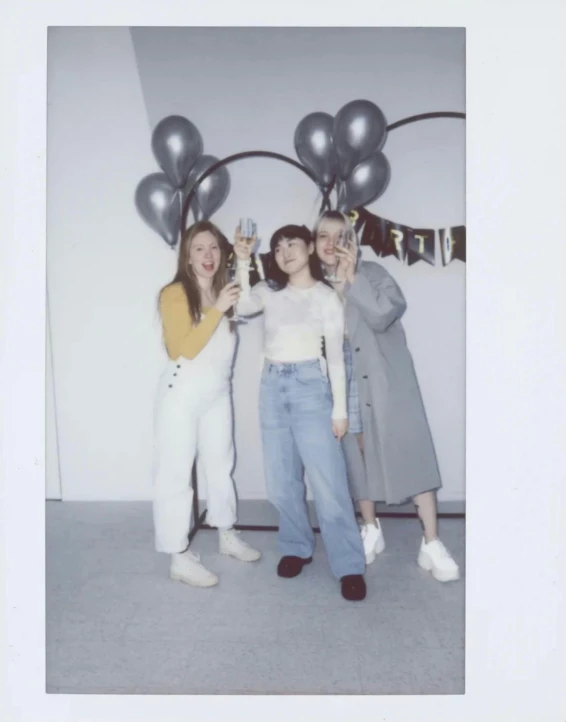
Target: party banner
x,y
408,245
387,238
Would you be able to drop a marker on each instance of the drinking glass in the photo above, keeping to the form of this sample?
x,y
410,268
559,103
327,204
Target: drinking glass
x,y
341,242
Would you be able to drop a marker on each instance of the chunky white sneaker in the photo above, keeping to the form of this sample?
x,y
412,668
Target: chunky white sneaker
x,y
187,568
233,546
434,557
373,541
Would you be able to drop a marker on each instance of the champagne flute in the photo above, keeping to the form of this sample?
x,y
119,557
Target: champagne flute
x,y
248,233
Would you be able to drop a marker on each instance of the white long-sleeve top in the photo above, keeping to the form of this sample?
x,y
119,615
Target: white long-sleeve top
x,y
296,322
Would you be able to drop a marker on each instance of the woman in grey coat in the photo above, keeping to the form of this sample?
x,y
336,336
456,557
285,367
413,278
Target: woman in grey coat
x,y
389,449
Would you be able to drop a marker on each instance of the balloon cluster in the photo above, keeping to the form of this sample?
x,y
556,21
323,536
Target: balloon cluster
x,y
341,153
178,148
345,152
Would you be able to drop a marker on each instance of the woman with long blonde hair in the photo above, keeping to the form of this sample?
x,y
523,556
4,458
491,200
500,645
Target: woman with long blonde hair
x,y
193,411
388,448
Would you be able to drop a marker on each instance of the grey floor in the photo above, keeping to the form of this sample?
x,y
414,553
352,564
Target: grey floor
x,y
117,625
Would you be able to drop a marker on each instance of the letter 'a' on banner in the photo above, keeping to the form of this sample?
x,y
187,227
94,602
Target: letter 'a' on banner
x,y
453,244
421,245
375,235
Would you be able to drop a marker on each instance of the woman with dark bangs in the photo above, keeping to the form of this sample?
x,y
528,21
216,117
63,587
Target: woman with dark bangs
x,y
303,407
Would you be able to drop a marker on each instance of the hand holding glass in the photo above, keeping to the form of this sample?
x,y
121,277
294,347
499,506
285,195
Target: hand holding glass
x,y
234,277
247,234
341,242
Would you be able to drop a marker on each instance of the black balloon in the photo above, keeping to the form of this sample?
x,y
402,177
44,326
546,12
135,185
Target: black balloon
x,y
366,182
360,129
176,145
314,146
159,204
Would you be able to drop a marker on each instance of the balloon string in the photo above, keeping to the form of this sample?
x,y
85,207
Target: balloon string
x,y
326,191
318,195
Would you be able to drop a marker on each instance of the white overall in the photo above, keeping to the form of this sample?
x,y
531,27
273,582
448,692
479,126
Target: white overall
x,y
193,415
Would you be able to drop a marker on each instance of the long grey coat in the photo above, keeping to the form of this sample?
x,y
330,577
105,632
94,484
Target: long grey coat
x,y
400,460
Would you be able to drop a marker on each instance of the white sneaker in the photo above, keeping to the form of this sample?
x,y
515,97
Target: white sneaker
x,y
434,557
373,540
233,546
186,567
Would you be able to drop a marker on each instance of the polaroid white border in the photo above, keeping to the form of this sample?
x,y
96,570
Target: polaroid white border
x,y
516,361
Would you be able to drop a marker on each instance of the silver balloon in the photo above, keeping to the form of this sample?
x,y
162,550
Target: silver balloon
x,y
368,181
214,189
176,145
314,147
201,166
159,204
360,129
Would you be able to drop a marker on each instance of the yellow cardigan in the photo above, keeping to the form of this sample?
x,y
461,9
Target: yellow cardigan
x,y
180,336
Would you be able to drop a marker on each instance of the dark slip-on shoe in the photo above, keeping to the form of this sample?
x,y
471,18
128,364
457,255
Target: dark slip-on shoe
x,y
291,566
353,587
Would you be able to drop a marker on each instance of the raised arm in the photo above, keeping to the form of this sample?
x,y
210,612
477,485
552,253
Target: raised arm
x,y
333,330
377,296
252,299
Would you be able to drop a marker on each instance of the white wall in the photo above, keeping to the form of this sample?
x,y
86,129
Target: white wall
x,y
245,90
104,266
52,476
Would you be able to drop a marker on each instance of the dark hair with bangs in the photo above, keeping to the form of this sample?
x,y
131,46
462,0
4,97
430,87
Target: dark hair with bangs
x,y
278,278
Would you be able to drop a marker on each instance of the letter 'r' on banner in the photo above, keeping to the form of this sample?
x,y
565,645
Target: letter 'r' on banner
x,y
421,245
453,244
396,240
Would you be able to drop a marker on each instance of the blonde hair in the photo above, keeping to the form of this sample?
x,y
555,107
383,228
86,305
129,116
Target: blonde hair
x,y
350,231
